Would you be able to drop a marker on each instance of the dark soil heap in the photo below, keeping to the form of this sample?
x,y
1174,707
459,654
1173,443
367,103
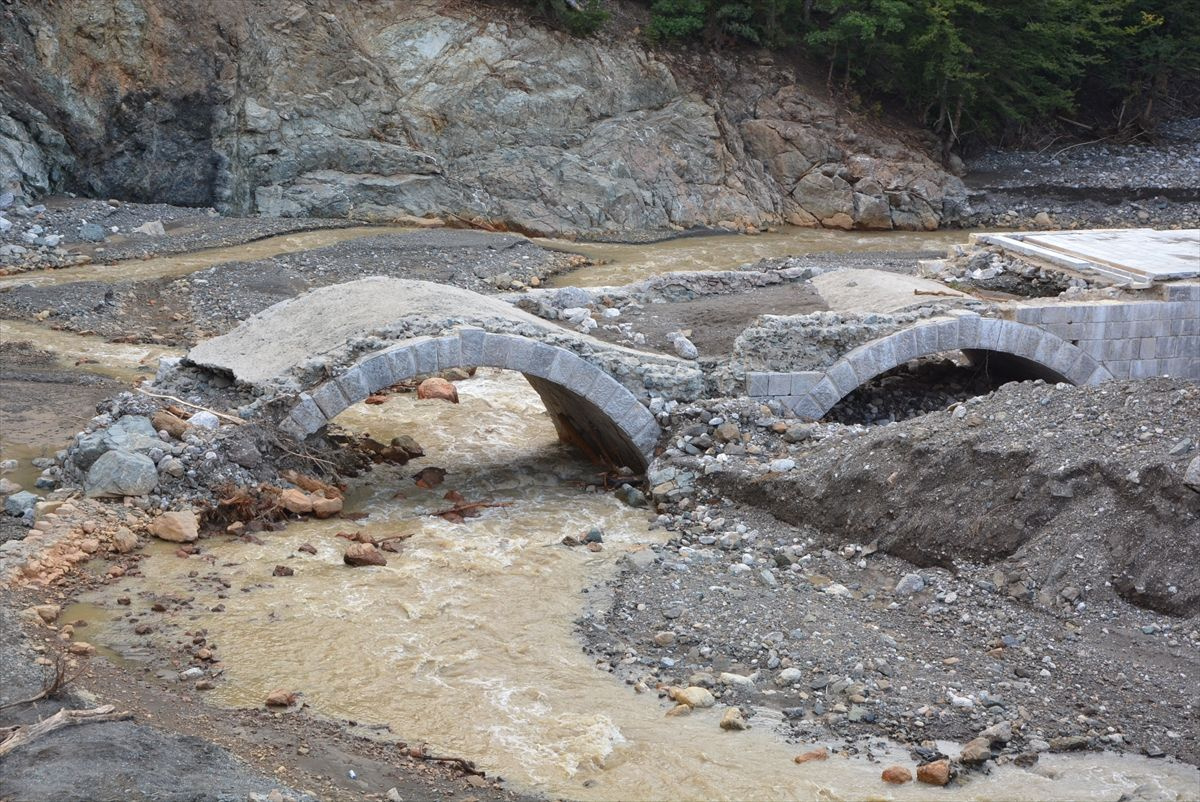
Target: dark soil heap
x,y
1034,475
1022,562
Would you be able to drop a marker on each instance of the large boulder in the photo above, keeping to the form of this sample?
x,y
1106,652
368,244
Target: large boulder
x,y
20,503
176,527
120,473
134,433
1191,477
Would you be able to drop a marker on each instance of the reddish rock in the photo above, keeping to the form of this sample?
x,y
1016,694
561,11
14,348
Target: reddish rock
x,y
281,697
733,720
429,478
123,540
897,775
307,548
976,751
282,570
296,501
47,612
935,773
820,753
359,554
82,648
439,389
325,507
176,527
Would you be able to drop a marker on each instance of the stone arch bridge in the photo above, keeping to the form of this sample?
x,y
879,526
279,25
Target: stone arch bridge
x,y
334,346
330,348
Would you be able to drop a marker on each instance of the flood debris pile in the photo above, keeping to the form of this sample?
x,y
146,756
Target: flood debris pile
x,y
974,267
979,573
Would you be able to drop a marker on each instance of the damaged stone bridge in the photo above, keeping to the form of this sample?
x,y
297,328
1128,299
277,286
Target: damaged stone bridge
x,y
331,348
1078,343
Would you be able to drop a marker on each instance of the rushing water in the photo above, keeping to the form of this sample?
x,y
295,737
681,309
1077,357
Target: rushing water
x,y
465,639
617,264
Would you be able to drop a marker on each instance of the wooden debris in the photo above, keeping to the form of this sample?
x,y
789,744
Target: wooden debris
x,y
458,512
63,718
221,415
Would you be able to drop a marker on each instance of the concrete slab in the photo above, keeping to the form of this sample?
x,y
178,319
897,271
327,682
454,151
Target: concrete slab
x,y
321,324
1136,253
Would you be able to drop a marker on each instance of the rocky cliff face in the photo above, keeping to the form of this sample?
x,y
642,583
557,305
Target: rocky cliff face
x,y
426,108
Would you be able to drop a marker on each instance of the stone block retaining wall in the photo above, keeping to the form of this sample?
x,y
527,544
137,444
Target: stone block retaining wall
x,y
1133,340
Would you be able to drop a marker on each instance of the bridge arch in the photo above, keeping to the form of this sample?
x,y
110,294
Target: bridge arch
x,y
589,408
1037,351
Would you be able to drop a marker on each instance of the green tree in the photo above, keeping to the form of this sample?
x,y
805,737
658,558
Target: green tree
x,y
1155,69
854,33
580,17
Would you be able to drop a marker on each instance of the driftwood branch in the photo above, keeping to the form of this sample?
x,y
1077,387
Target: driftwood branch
x,y
462,764
63,718
462,509
177,400
405,536
53,684
938,292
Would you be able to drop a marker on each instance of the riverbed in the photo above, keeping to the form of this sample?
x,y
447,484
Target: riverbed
x,y
465,639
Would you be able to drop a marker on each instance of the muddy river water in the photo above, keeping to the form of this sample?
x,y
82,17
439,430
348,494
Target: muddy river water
x,y
618,263
465,640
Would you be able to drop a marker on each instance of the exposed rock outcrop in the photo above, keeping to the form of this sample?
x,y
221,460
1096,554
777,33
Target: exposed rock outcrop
x,y
409,108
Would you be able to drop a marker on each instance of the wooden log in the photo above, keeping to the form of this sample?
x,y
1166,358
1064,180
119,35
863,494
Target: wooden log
x,y
63,718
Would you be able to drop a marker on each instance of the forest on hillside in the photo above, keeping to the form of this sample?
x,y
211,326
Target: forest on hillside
x,y
974,71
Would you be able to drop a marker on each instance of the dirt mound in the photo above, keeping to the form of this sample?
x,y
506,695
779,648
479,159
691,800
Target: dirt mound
x,y
1069,487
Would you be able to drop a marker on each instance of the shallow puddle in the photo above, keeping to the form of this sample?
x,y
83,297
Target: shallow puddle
x,y
465,639
617,264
